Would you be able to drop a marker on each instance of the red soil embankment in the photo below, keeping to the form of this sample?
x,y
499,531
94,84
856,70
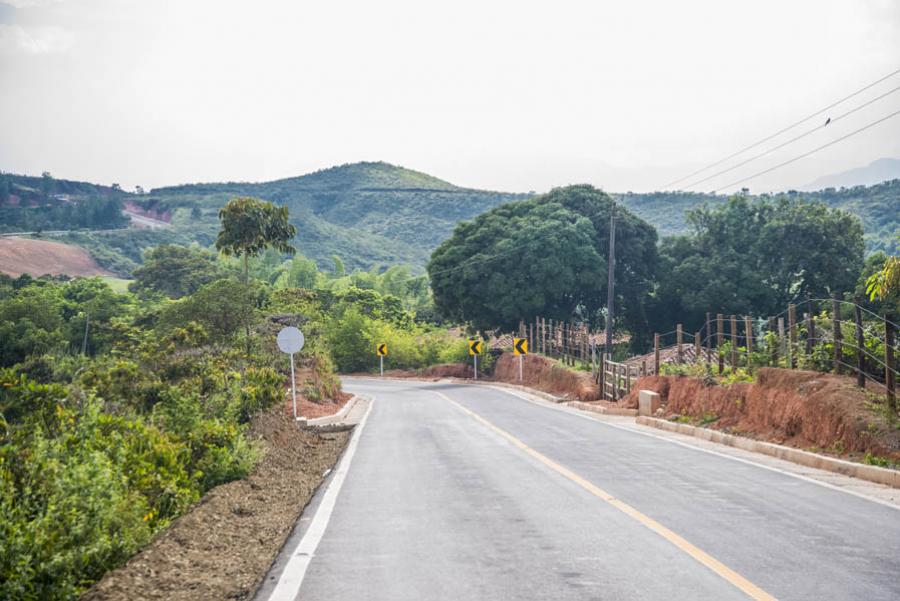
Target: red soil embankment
x,y
800,408
43,257
547,375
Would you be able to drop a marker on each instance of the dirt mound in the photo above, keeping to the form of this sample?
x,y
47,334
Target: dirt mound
x,y
800,408
224,546
547,375
42,257
448,370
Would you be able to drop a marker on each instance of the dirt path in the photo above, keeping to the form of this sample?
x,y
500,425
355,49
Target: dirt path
x,y
225,545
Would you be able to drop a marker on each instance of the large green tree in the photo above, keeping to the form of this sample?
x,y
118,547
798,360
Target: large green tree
x,y
545,256
250,226
175,271
754,257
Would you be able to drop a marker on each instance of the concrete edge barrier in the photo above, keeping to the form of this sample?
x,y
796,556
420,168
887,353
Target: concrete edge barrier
x,y
327,419
602,410
872,473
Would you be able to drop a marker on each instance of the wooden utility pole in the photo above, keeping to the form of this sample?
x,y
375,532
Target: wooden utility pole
x,y
611,281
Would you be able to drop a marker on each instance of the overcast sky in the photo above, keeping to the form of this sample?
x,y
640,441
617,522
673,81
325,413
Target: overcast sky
x,y
503,95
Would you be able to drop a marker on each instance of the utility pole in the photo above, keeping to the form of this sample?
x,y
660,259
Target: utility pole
x,y
611,280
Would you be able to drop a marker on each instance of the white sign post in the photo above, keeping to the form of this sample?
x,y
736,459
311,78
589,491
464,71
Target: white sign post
x,y
290,341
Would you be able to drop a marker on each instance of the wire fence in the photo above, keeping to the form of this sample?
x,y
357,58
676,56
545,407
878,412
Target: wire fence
x,y
826,335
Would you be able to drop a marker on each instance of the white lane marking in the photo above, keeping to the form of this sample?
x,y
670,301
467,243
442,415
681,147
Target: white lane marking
x,y
687,445
288,586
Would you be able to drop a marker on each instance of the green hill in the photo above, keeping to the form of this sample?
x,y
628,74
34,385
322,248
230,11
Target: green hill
x,y
366,213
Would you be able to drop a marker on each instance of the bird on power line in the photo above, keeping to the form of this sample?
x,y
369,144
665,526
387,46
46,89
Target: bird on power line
x,y
827,121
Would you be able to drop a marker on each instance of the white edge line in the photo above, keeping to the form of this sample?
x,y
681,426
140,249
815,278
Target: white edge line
x,y
578,413
288,586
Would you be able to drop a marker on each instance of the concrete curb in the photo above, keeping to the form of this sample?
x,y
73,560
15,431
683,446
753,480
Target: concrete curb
x,y
601,409
872,473
335,417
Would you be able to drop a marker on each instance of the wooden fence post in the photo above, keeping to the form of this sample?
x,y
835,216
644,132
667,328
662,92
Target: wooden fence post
x,y
748,333
656,354
810,335
734,343
708,339
679,338
720,340
782,342
601,377
698,350
773,352
838,335
792,335
889,378
860,348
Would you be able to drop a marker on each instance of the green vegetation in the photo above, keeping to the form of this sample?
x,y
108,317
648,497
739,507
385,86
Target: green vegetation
x,y
754,257
116,415
547,257
250,226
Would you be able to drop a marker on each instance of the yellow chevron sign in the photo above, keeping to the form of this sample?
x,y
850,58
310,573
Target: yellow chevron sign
x,y
475,347
381,350
520,346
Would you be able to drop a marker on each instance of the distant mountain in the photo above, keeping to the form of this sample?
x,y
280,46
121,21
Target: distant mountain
x,y
873,173
379,214
367,213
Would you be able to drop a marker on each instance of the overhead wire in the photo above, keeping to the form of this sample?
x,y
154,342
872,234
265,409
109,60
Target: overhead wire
x,y
783,130
792,140
810,152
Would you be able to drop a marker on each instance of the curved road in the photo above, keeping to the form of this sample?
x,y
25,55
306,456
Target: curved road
x,y
472,493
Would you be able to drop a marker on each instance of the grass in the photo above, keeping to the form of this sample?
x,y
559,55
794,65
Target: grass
x,y
119,285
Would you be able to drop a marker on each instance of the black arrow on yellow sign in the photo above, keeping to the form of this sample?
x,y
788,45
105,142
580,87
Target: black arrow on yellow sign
x,y
520,346
381,350
474,347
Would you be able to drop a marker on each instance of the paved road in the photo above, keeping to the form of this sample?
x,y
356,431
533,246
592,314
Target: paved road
x,y
470,493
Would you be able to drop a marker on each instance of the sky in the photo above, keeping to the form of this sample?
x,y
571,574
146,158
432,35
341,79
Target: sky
x,y
514,96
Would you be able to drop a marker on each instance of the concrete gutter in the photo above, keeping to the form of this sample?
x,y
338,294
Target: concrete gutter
x,y
872,473
602,410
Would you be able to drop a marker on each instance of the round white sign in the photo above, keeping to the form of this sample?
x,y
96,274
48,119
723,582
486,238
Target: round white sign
x,y
290,340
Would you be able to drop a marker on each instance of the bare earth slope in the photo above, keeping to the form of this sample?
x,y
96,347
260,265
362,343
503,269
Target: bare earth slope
x,y
40,257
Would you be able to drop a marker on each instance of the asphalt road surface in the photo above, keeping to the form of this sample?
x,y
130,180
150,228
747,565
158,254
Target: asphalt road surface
x,y
472,493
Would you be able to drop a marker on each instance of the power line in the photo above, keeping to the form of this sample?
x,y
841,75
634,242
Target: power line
x,y
781,131
814,150
794,139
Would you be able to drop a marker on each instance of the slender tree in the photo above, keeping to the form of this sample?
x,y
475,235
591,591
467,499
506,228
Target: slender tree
x,y
250,226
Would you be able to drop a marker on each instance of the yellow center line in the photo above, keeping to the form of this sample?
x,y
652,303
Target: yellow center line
x,y
750,589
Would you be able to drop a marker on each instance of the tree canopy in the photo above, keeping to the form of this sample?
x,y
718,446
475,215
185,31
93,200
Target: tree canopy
x,y
754,257
545,256
250,225
175,271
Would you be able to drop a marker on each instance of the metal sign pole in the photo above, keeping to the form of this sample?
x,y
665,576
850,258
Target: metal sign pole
x,y
475,357
382,364
520,367
293,386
